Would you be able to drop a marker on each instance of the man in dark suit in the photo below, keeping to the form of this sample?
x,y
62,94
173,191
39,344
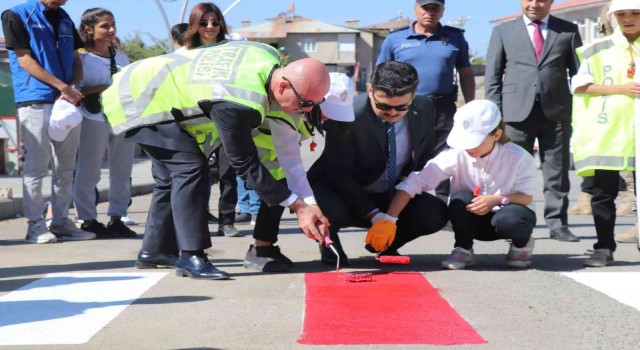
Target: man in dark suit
x,y
526,75
393,134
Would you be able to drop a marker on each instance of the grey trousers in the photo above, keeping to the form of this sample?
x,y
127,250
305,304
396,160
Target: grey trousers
x,y
95,139
553,138
39,151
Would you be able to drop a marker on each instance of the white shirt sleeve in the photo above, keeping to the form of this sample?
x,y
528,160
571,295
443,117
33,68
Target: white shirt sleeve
x,y
582,78
287,202
434,172
525,176
287,144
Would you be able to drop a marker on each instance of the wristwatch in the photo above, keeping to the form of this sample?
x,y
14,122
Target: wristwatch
x,y
504,200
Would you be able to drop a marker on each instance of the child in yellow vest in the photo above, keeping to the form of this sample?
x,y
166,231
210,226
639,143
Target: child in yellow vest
x,y
604,95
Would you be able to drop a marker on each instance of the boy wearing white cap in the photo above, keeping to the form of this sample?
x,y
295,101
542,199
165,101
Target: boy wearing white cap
x,y
605,91
492,183
280,153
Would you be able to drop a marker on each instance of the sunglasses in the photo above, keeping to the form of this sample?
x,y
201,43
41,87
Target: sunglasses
x,y
214,22
302,102
385,107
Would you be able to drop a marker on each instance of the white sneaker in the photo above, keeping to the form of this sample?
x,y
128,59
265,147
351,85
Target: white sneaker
x,y
69,232
459,259
128,221
521,258
38,233
253,219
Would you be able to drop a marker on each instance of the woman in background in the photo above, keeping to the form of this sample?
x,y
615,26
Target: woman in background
x,y
100,61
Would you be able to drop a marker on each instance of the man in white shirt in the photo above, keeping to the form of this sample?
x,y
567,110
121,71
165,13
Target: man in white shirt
x,y
263,255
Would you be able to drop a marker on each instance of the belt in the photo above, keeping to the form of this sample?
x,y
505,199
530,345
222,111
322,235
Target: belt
x,y
32,103
444,98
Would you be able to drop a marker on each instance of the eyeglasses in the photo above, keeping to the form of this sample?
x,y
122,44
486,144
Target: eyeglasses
x,y
214,22
302,102
385,107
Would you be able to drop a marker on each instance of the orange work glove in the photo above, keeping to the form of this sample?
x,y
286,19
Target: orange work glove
x,y
381,235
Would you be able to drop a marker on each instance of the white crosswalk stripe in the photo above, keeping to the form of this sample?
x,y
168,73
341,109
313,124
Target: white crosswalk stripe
x,y
68,308
621,286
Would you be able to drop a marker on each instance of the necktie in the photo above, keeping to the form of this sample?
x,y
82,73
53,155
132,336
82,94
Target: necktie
x,y
538,39
391,159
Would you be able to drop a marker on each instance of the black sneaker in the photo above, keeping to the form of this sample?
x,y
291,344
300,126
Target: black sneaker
x,y
121,230
266,259
243,217
328,257
98,228
229,231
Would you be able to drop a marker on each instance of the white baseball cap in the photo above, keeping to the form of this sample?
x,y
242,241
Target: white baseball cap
x,y
618,5
472,123
64,117
338,103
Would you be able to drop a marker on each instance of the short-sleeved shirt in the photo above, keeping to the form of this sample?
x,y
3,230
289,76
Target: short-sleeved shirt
x,y
96,72
435,57
17,37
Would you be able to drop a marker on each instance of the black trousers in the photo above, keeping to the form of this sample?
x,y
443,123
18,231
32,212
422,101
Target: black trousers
x,y
424,215
177,217
445,110
268,221
587,184
513,221
228,189
605,191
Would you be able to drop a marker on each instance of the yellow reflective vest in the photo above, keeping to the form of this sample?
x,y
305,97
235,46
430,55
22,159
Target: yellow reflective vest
x,y
146,92
263,139
603,125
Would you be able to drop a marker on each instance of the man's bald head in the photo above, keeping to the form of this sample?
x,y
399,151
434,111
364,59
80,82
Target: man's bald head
x,y
307,77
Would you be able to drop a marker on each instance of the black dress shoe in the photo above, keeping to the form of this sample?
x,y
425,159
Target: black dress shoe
x,y
563,234
328,257
199,268
148,260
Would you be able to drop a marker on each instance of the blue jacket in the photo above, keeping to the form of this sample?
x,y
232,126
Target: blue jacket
x,y
54,54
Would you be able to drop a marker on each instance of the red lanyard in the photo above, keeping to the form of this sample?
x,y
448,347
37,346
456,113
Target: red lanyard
x,y
476,177
631,70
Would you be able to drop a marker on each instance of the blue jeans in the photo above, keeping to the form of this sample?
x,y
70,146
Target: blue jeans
x,y
248,200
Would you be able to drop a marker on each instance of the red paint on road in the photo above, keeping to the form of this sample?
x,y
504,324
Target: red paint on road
x,y
395,308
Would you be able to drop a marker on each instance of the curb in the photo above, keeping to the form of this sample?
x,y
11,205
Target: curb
x,y
11,208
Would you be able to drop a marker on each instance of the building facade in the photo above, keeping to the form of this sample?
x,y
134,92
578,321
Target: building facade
x,y
346,49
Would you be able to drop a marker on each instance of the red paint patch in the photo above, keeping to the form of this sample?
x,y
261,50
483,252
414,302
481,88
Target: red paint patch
x,y
396,308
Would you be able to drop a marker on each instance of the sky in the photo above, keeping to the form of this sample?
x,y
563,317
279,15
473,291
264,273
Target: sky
x,y
143,16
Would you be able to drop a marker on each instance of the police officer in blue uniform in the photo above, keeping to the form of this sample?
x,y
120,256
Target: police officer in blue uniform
x,y
436,51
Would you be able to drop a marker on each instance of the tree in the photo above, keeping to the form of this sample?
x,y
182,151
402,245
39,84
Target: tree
x,y
475,59
136,49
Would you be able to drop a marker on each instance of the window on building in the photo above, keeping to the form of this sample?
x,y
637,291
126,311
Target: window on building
x,y
594,28
347,48
309,45
582,28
